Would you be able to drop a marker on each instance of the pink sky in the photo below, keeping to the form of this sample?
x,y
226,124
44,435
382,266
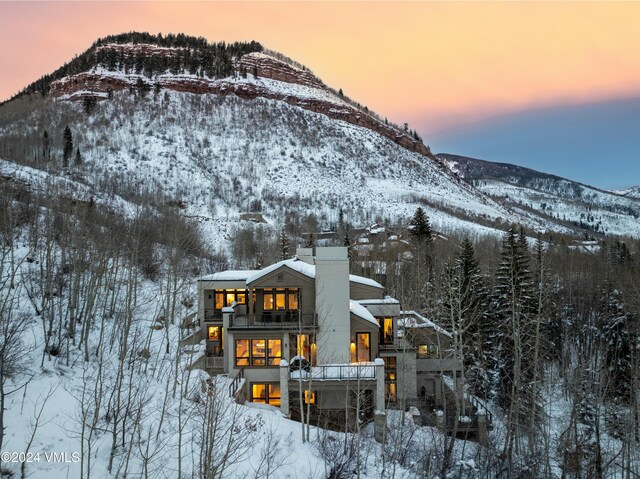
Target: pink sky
x,y
442,63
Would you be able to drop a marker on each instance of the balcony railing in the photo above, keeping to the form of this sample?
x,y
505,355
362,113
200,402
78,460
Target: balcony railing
x,y
336,372
214,362
212,314
273,319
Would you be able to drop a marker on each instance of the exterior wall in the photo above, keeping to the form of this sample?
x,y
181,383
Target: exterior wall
x,y
290,279
359,325
254,374
407,386
359,291
205,286
332,305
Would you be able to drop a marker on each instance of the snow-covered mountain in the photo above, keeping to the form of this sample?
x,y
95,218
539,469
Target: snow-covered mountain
x,y
224,129
558,199
631,192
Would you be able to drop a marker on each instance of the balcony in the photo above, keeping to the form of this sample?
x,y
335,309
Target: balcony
x,y
337,372
274,320
214,362
212,315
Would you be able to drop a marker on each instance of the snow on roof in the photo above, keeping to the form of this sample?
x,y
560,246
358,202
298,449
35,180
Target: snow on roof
x,y
385,300
365,281
308,270
295,264
362,312
413,319
229,275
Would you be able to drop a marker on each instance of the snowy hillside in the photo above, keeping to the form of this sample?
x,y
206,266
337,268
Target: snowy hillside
x,y
558,199
222,155
633,192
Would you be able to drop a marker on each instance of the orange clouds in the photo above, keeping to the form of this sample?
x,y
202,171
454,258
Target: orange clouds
x,y
441,62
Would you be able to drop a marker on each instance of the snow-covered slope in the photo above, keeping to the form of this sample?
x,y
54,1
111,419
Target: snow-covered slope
x,y
558,199
269,137
632,192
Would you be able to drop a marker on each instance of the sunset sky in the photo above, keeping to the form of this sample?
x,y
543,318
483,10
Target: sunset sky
x,y
436,65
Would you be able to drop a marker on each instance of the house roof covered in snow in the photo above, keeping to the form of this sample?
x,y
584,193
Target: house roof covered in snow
x,y
385,300
413,319
229,276
356,308
306,269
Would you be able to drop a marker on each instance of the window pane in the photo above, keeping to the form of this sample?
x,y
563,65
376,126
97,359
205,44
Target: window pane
x,y
274,394
219,300
242,352
280,301
259,393
258,352
214,333
268,302
388,330
362,347
293,301
231,297
241,298
275,352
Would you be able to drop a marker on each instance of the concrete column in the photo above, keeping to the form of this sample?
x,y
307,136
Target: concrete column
x,y
379,367
284,387
379,420
332,305
228,340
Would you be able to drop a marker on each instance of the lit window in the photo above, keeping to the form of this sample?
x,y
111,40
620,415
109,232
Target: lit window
x,y
266,393
363,349
274,395
258,352
219,300
275,352
267,302
293,301
259,393
241,298
214,333
242,352
280,301
309,397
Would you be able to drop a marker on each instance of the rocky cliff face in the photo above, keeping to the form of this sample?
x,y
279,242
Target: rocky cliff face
x,y
276,79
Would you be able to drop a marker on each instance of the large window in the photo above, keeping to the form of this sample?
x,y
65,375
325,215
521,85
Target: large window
x,y
258,352
280,299
266,393
226,297
242,352
361,348
386,330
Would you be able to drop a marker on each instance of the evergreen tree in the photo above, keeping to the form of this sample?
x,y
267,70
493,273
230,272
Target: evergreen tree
x,y
514,336
284,245
78,159
46,147
620,344
419,227
68,146
465,302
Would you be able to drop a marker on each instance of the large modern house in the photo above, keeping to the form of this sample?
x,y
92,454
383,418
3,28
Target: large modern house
x,y
304,330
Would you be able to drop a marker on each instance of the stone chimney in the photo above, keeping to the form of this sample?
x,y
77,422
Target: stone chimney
x,y
332,305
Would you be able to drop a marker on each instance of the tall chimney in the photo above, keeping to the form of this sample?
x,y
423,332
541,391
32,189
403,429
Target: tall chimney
x,y
305,254
332,305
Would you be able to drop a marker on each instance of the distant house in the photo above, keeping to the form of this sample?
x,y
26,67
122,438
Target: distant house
x,y
306,328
